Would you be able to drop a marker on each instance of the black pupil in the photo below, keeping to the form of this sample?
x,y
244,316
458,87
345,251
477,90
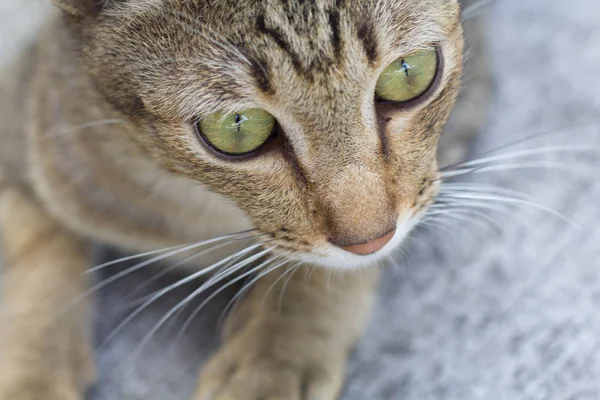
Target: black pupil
x,y
238,121
405,67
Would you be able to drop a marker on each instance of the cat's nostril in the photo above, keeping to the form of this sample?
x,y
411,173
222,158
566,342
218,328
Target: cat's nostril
x,y
371,246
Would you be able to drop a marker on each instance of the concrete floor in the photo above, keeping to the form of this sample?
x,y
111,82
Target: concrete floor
x,y
474,313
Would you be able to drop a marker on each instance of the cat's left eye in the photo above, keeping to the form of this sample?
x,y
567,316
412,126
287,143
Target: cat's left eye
x,y
239,133
408,77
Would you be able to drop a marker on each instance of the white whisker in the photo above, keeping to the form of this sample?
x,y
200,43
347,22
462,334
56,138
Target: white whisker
x,y
188,259
503,208
182,247
438,223
225,273
133,269
91,124
177,284
511,200
133,257
232,267
280,277
512,166
186,300
472,10
143,264
529,138
286,283
464,213
476,187
245,288
222,288
525,153
168,270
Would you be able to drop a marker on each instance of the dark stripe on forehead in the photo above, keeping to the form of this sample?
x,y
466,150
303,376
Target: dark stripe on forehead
x,y
368,38
278,38
259,70
261,74
336,36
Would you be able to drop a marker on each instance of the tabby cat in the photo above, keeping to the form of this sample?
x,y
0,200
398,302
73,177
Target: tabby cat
x,y
311,128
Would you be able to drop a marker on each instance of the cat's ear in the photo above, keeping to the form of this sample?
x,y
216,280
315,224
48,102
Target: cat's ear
x,y
80,8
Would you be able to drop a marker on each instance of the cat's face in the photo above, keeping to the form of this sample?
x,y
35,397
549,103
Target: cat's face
x,y
339,166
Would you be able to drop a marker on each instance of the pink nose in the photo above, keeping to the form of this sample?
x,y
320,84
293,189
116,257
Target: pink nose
x,y
370,247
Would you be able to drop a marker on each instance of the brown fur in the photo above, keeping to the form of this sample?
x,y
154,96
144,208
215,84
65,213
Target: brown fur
x,y
345,171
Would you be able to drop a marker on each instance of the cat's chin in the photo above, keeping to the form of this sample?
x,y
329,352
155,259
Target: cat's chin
x,y
334,257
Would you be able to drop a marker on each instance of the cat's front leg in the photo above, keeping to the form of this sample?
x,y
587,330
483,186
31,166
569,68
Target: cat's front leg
x,y
290,337
45,353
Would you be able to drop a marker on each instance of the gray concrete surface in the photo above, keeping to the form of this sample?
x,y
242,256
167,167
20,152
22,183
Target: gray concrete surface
x,y
473,313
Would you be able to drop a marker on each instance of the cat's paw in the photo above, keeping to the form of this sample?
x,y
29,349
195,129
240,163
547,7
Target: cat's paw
x,y
24,376
37,389
268,378
251,367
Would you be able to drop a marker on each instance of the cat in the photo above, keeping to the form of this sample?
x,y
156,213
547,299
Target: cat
x,y
309,128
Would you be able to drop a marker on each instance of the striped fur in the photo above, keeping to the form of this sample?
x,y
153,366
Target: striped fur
x,y
103,149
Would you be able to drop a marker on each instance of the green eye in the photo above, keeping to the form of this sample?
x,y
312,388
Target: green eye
x,y
409,77
237,133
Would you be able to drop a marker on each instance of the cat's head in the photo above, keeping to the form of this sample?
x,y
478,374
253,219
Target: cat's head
x,y
320,119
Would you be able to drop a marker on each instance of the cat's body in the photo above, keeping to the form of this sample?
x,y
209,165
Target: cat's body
x,y
97,148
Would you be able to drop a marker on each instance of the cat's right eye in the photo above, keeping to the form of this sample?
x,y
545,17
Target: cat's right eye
x,y
237,134
408,77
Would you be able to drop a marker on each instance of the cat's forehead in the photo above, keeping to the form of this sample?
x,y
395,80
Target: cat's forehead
x,y
317,26
217,54
324,25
